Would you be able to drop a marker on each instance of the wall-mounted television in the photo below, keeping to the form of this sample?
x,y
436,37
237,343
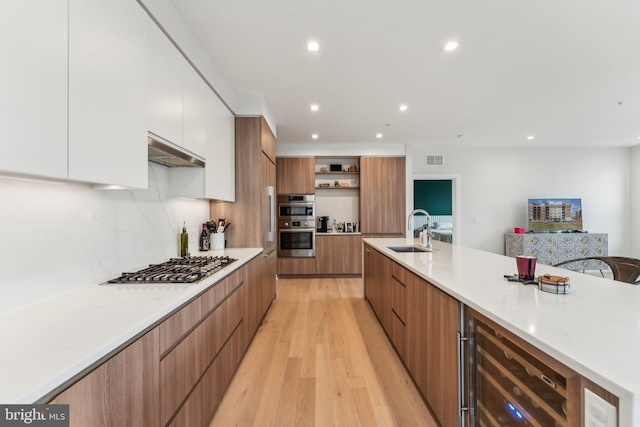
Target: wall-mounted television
x,y
555,215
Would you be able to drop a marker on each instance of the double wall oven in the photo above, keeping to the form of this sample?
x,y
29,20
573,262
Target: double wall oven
x,y
296,225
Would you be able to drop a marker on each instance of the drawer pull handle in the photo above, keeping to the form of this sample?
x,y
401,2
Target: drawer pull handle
x,y
507,355
548,380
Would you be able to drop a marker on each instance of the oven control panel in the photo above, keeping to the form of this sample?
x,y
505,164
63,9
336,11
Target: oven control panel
x,y
296,224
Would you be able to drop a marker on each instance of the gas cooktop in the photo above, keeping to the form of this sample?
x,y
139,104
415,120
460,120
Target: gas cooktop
x,y
190,269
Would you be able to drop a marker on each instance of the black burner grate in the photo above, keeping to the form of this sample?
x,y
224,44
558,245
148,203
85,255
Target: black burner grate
x,y
177,270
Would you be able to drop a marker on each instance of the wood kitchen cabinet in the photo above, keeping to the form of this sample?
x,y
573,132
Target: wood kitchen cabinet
x,y
252,216
382,195
123,391
422,323
377,272
298,266
338,254
177,373
398,317
267,139
424,331
295,175
441,330
192,356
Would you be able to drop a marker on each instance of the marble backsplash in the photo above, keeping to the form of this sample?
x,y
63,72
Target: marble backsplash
x,y
58,237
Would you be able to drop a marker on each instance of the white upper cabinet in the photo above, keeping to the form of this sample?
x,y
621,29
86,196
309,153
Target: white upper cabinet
x,y
194,110
33,84
165,102
108,92
176,95
220,151
217,179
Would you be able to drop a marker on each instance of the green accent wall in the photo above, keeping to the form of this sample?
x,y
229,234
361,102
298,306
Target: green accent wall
x,y
434,196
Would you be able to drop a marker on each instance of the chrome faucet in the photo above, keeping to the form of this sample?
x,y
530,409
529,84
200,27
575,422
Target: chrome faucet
x,y
426,228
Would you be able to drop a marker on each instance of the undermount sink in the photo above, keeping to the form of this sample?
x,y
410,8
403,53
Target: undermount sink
x,y
409,249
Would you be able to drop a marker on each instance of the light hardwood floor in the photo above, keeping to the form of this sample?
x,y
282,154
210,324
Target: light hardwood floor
x,y
321,359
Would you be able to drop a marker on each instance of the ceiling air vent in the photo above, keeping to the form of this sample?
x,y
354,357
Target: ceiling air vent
x,y
434,160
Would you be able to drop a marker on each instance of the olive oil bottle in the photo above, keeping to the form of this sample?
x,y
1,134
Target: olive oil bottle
x,y
184,241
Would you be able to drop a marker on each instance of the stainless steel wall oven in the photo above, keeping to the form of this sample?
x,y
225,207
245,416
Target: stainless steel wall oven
x,y
296,207
296,225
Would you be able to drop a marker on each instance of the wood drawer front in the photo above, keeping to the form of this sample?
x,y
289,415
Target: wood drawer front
x,y
191,414
297,266
183,366
398,335
202,403
220,373
219,326
179,371
182,322
219,291
178,325
398,284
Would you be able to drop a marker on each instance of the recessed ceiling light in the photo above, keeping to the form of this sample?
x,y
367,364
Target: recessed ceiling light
x,y
313,46
450,46
378,135
530,137
314,136
314,107
403,107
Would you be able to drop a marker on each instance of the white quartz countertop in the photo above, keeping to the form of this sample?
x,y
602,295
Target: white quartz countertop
x,y
49,343
595,329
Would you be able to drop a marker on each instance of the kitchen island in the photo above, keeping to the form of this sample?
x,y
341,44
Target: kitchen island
x,y
51,344
594,330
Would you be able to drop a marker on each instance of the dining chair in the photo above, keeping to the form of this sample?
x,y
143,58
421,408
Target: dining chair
x,y
624,269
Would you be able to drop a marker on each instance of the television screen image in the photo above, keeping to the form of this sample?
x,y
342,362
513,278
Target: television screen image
x,y
555,215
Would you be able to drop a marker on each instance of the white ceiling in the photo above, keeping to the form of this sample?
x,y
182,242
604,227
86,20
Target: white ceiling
x,y
566,71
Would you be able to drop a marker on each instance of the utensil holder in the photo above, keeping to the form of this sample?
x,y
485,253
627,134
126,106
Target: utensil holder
x,y
217,241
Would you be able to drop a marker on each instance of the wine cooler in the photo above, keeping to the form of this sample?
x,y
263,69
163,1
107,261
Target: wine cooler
x,y
512,386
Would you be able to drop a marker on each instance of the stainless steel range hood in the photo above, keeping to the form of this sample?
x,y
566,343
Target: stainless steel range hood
x,y
167,154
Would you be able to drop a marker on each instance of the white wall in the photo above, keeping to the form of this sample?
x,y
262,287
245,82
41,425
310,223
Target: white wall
x,y
496,183
634,202
58,237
